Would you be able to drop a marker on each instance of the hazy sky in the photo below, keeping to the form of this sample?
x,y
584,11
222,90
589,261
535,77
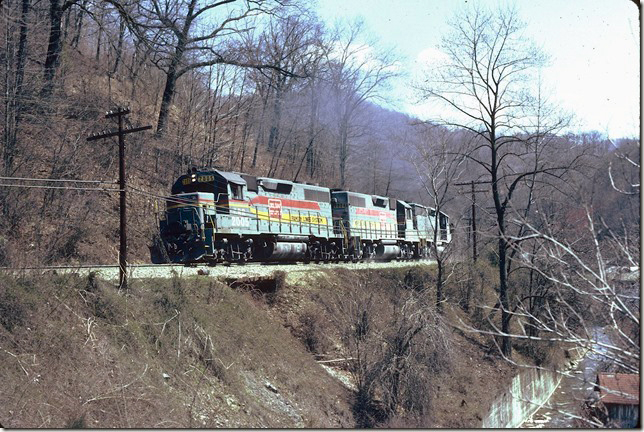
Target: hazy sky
x,y
594,47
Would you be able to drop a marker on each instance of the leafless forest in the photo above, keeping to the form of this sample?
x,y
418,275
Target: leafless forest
x,y
266,88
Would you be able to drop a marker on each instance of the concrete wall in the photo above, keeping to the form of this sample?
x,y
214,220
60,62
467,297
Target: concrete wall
x,y
528,391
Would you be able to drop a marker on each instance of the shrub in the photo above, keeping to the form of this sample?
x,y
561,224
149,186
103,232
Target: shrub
x,y
15,302
77,423
173,298
312,331
104,302
12,310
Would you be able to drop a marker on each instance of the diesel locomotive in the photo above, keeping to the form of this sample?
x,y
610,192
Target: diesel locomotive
x,y
216,216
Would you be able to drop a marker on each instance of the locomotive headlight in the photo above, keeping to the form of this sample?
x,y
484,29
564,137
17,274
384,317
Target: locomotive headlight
x,y
194,177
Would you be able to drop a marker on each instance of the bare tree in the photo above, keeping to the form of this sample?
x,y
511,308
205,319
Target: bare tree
x,y
599,264
589,293
55,45
357,74
196,34
286,45
486,85
394,343
438,163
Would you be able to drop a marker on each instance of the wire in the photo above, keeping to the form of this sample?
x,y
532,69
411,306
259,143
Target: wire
x,y
55,180
231,212
190,202
60,187
255,217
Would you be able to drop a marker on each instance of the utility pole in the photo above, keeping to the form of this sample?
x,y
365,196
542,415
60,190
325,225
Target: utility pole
x,y
474,256
473,217
120,113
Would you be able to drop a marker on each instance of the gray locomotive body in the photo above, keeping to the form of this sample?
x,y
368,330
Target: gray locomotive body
x,y
216,216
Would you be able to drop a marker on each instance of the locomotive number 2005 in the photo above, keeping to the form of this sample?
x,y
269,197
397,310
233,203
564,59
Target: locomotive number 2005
x,y
240,221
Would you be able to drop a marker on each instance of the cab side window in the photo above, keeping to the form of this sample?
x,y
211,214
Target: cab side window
x,y
236,191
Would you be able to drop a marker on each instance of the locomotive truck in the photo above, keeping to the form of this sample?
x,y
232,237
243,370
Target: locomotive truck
x,y
216,216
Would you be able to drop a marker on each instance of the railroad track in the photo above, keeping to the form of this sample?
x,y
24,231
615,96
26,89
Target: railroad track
x,y
248,270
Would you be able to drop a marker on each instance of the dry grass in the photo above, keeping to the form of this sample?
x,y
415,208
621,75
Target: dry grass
x,y
460,373
75,352
194,352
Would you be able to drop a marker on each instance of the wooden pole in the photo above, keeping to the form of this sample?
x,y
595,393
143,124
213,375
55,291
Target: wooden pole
x,y
120,113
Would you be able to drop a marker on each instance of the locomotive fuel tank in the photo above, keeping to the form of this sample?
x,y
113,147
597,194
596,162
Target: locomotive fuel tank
x,y
387,249
286,251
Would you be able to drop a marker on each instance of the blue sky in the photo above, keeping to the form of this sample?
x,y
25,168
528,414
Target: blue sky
x,y
594,47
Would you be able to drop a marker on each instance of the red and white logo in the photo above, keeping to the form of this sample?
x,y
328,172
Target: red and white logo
x,y
275,208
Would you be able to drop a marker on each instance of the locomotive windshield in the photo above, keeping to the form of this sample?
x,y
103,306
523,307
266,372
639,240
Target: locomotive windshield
x,y
442,221
214,182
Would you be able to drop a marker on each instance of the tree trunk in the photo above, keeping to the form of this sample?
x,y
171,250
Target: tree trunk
x,y
79,25
343,153
391,165
273,136
506,345
54,46
14,91
119,45
168,94
245,133
439,284
99,37
66,25
173,72
310,151
260,131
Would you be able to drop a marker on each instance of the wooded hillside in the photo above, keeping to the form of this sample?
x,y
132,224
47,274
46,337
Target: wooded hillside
x,y
262,87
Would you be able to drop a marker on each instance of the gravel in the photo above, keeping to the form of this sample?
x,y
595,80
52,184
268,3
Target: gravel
x,y
252,270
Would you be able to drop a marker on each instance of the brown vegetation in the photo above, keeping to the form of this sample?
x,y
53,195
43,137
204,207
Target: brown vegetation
x,y
196,353
175,353
270,90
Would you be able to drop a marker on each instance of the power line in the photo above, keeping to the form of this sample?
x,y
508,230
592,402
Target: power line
x,y
59,187
55,180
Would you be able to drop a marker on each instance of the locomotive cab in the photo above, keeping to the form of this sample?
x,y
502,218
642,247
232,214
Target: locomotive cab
x,y
191,212
224,186
443,232
405,219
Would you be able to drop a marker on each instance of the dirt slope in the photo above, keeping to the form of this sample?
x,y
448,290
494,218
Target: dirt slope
x,y
193,352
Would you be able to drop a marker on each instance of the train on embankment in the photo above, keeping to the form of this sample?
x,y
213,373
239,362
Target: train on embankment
x,y
216,216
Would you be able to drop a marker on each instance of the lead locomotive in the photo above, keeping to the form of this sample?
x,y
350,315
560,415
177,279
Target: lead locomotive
x,y
216,216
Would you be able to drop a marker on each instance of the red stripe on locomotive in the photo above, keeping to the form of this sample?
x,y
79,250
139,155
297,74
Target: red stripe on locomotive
x,y
307,205
377,213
